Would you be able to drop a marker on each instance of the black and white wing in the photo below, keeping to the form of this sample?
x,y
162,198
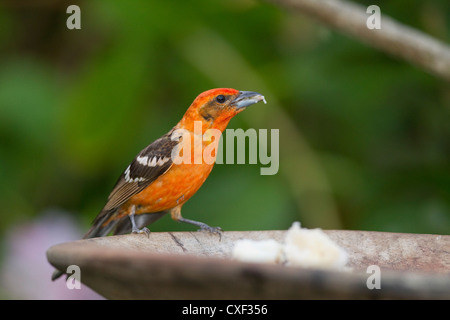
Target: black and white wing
x,y
149,164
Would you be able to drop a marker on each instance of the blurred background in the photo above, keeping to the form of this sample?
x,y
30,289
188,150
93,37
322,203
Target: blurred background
x,y
364,137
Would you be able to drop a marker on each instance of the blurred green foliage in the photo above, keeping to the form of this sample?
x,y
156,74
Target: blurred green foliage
x,y
77,105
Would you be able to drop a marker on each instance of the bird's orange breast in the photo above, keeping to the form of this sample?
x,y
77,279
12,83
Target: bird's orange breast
x,y
182,180
171,189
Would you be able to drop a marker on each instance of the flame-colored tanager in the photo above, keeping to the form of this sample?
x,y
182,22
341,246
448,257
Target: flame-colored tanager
x,y
153,185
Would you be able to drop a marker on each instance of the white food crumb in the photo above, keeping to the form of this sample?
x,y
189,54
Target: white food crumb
x,y
264,251
309,248
312,248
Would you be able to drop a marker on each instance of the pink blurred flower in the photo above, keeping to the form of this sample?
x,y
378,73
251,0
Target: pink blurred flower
x,y
25,272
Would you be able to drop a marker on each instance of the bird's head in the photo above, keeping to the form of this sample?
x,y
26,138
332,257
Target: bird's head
x,y
216,107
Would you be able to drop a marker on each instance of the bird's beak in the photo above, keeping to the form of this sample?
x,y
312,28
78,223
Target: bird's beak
x,y
246,98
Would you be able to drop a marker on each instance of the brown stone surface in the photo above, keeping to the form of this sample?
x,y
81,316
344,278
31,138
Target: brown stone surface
x,y
197,265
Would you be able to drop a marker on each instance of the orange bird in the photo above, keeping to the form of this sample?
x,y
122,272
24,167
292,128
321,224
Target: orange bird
x,y
153,185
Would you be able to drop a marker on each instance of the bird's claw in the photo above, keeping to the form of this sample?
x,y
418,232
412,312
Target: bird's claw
x,y
215,230
143,230
211,229
203,226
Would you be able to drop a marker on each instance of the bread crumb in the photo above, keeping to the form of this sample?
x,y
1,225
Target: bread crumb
x,y
312,248
264,251
308,248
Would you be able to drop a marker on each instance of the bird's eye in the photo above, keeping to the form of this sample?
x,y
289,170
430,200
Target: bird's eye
x,y
221,98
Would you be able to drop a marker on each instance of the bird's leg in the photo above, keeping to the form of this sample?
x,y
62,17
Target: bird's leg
x,y
134,228
202,226
176,215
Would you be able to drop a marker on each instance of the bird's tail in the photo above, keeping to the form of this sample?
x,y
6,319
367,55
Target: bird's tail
x,y
105,224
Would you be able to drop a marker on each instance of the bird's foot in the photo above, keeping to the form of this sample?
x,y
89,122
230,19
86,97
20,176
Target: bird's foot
x,y
213,230
143,230
205,227
134,228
